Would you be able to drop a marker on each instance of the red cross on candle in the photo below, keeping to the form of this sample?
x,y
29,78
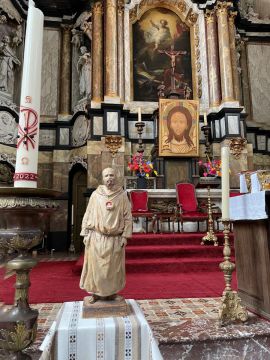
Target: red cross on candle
x,y
26,135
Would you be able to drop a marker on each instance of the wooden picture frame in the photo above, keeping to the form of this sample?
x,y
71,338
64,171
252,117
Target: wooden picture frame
x,y
178,128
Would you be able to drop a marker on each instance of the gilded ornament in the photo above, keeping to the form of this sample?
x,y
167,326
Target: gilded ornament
x,y
18,339
237,145
113,143
192,17
222,7
210,16
97,8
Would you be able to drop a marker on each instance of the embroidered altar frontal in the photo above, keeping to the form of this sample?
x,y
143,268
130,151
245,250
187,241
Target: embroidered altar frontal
x,y
75,338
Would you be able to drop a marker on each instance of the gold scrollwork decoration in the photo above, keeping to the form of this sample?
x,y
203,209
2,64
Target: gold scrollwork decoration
x,y
113,143
197,60
19,338
237,145
144,5
192,17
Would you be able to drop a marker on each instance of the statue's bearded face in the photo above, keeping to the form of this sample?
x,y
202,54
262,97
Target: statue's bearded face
x,y
108,177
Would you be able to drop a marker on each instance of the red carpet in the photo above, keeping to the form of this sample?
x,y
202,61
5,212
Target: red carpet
x,y
55,282
162,253
158,266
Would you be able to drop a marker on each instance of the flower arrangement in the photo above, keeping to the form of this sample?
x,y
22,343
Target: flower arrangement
x,y
143,167
210,168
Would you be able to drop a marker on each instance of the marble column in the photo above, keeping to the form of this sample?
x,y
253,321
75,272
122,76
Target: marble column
x,y
213,60
111,49
226,75
245,83
121,81
65,75
236,86
97,52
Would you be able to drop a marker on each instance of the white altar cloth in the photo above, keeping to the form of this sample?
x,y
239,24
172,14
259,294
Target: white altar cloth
x,y
248,207
123,338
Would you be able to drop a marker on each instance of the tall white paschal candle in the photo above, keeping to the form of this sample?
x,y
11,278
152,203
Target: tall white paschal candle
x,y
139,114
28,130
225,181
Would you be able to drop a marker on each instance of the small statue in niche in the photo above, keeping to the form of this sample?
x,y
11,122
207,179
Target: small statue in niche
x,y
8,61
84,67
76,38
17,38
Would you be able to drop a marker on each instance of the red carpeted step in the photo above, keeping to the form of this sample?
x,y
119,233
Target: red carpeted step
x,y
187,251
164,264
64,284
169,239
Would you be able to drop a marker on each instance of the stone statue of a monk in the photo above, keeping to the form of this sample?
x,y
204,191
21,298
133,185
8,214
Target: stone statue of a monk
x,y
106,226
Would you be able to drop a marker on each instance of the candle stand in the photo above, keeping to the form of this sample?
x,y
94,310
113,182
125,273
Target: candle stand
x,y
140,126
23,216
231,308
210,235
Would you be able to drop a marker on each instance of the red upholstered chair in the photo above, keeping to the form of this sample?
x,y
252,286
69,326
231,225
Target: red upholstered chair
x,y
139,205
188,205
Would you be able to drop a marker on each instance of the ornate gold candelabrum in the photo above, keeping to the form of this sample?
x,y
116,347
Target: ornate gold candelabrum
x,y
22,224
231,308
210,235
140,126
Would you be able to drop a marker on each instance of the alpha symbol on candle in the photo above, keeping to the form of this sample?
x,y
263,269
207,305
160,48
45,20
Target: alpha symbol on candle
x,y
27,134
24,161
28,99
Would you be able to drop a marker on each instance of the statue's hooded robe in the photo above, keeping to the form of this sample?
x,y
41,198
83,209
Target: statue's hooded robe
x,y
106,221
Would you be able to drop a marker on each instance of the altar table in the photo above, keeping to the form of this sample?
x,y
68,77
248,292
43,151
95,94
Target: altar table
x,y
73,338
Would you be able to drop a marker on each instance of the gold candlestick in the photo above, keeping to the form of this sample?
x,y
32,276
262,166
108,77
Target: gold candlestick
x,y
210,235
231,308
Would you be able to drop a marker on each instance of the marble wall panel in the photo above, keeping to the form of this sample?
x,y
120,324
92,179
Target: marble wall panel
x,y
50,74
60,177
47,137
45,175
64,136
259,70
176,170
148,131
97,125
75,93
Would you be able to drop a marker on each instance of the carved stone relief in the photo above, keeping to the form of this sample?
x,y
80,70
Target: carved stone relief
x,y
256,11
80,131
9,158
78,160
8,128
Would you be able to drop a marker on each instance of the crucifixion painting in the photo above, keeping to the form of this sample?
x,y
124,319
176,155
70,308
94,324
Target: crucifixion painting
x,y
161,56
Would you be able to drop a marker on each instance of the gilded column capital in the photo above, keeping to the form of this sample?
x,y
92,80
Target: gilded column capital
x,y
120,6
97,7
66,27
232,16
222,7
110,4
210,16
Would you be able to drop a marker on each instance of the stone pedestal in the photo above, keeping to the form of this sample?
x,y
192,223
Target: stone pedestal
x,y
105,308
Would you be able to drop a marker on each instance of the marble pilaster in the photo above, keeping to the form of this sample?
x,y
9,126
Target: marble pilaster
x,y
97,52
226,75
120,48
213,60
236,85
111,90
65,75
